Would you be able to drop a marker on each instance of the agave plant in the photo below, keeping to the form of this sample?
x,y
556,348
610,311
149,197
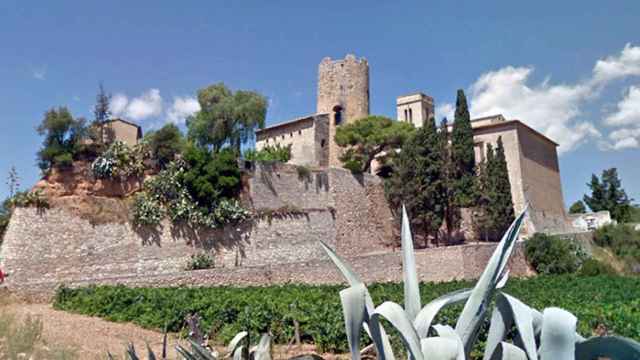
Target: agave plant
x,y
235,350
550,335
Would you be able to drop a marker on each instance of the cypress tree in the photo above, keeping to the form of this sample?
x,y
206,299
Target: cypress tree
x,y
483,220
462,154
502,203
451,211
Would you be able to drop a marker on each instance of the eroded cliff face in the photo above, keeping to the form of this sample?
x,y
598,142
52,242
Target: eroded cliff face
x,y
100,201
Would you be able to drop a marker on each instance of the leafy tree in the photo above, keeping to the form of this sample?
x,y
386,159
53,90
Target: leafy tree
x,y
226,118
102,115
608,194
462,154
367,137
165,144
270,153
62,134
577,208
211,176
416,180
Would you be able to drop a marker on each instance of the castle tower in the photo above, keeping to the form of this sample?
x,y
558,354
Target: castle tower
x,y
343,92
415,108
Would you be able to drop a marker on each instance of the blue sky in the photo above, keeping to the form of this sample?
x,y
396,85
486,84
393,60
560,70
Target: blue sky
x,y
570,69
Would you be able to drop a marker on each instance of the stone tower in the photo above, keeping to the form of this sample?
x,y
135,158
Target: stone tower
x,y
415,108
343,93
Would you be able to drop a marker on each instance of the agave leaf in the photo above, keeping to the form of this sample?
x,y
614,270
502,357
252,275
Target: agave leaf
x,y
131,352
557,341
612,347
343,266
235,341
150,354
522,316
164,345
353,307
475,308
409,273
497,333
448,332
109,356
502,280
263,349
506,351
200,351
425,317
186,354
237,353
399,320
439,348
378,335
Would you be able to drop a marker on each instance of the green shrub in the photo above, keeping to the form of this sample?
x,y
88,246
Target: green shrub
x,y
553,255
593,267
304,173
211,176
623,239
200,261
146,211
120,161
612,301
269,153
34,198
165,144
62,136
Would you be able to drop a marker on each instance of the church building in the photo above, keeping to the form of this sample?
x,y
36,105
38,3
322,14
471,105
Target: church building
x,y
343,97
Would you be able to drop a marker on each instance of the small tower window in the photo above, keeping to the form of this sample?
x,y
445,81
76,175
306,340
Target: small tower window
x,y
337,114
299,132
290,134
410,114
406,115
322,143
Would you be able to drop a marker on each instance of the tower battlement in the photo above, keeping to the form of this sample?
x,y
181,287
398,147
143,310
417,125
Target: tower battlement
x,y
343,86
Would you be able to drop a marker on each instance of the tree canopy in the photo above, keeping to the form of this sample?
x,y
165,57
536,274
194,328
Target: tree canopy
x,y
607,194
577,208
226,118
62,134
417,180
102,114
165,144
367,137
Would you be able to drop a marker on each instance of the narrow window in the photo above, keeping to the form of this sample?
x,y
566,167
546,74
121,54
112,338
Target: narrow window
x,y
337,114
299,132
322,142
290,134
410,114
406,115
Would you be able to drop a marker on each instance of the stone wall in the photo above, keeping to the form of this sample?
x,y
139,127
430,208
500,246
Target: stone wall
x,y
45,248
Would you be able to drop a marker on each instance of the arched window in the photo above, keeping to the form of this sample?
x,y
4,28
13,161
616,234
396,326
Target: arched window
x,y
337,114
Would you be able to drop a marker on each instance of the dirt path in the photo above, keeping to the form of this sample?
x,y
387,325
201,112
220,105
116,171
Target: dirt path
x,y
90,337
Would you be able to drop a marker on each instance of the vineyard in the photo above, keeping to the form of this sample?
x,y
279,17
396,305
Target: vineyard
x,y
601,303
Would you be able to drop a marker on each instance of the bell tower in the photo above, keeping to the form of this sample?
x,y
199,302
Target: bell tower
x,y
343,93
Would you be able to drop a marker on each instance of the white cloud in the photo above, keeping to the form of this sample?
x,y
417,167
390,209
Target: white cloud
x,y
147,105
616,67
628,111
118,105
621,139
554,109
39,73
182,108
550,109
445,110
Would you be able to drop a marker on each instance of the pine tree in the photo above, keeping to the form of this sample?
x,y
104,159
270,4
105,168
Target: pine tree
x,y
462,154
608,194
577,208
102,114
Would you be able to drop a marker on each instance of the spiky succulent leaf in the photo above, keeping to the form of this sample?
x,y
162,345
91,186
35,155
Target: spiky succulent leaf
x,y
409,273
131,352
439,348
557,340
150,354
612,347
513,312
233,344
263,349
475,308
237,353
186,354
448,332
354,309
200,352
425,317
399,319
506,351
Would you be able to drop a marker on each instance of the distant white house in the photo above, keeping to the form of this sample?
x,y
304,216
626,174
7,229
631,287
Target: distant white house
x,y
591,221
